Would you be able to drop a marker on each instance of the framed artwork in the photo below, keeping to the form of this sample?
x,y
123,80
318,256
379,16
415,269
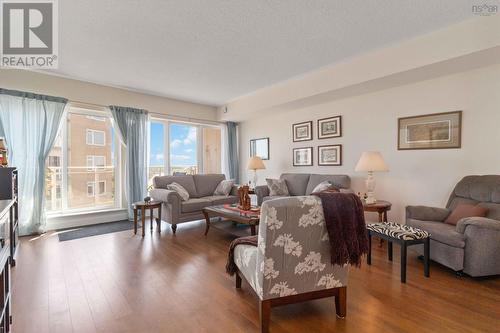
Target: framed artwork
x,y
303,156
431,131
260,147
330,127
302,131
330,155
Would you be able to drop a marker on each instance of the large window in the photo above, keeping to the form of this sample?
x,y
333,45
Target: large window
x,y
82,167
181,148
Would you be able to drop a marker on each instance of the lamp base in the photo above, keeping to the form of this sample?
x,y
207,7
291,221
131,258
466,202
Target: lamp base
x,y
370,198
370,189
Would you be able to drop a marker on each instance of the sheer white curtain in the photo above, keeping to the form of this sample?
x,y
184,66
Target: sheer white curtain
x,y
224,152
30,123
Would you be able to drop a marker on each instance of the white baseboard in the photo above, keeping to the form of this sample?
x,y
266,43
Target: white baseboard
x,y
83,219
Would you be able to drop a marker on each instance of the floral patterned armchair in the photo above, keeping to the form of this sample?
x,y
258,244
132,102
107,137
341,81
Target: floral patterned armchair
x,y
292,260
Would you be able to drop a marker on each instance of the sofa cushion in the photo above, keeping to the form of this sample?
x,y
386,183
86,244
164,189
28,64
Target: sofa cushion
x,y
441,232
206,184
194,205
323,186
222,199
493,210
296,183
339,181
179,189
277,187
224,187
465,210
185,181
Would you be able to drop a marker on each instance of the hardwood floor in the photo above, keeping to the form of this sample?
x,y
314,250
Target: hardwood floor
x,y
176,283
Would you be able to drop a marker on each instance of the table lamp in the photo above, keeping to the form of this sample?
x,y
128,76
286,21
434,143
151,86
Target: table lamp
x,y
371,161
255,163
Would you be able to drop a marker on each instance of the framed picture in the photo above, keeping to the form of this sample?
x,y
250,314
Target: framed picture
x,y
302,131
303,156
431,131
260,147
330,127
330,155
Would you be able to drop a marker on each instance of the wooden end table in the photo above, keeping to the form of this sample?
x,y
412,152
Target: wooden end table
x,y
381,207
252,219
142,207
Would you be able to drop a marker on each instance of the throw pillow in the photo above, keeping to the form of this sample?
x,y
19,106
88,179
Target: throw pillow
x,y
224,187
179,189
465,210
277,187
323,186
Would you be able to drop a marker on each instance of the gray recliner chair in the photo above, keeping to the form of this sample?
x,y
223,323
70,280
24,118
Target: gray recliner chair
x,y
473,245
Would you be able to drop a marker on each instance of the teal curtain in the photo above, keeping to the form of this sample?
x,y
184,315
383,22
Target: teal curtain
x,y
232,151
132,125
29,122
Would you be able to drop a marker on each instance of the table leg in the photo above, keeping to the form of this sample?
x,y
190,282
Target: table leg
x,y
252,230
427,246
135,221
389,250
380,220
143,220
403,262
369,256
151,219
207,221
158,221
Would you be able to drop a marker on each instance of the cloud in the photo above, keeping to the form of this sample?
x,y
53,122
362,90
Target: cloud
x,y
188,151
159,156
191,137
175,143
180,157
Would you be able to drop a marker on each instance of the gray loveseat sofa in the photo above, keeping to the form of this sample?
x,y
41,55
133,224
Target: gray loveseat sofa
x,y
473,245
200,189
302,184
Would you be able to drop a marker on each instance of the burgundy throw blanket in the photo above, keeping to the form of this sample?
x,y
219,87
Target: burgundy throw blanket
x,y
231,267
345,223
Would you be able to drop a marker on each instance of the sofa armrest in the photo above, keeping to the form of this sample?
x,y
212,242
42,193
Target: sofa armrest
x,y
166,196
261,192
425,213
477,222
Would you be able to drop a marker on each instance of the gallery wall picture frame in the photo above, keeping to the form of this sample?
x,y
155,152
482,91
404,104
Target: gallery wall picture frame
x,y
330,127
303,156
430,131
260,147
302,131
330,155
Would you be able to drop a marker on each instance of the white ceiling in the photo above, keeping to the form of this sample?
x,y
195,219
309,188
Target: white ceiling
x,y
212,51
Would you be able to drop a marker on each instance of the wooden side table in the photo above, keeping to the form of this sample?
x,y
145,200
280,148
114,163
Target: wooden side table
x,y
143,206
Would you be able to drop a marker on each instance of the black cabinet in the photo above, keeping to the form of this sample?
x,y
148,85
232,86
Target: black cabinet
x,y
9,191
6,211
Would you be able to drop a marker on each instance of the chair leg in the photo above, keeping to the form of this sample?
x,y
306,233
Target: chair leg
x,y
238,281
174,228
341,302
265,315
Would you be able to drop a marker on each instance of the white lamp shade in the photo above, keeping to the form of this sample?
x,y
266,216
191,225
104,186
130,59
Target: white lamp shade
x,y
371,161
255,163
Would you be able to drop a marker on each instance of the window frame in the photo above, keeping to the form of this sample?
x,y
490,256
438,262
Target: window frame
x,y
89,110
93,132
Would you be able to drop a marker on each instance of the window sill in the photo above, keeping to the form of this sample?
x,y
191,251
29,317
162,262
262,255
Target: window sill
x,y
82,218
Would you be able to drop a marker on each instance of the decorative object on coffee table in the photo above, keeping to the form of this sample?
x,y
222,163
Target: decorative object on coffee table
x,y
142,207
330,155
3,153
430,131
244,198
303,156
371,161
260,147
249,217
330,127
255,163
302,131
405,236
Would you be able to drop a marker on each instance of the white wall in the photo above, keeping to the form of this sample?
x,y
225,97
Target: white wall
x,y
369,122
86,92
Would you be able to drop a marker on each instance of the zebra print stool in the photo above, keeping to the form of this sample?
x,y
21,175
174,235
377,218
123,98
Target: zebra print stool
x,y
403,235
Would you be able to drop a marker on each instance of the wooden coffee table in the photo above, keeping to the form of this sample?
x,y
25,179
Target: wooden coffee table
x,y
250,218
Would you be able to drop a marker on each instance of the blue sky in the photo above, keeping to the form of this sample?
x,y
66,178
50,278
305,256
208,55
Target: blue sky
x,y
182,144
